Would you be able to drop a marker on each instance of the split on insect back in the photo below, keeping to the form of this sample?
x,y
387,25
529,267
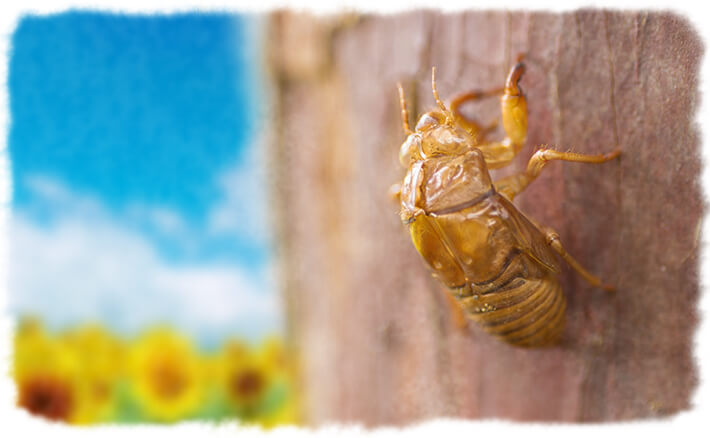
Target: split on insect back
x,y
500,266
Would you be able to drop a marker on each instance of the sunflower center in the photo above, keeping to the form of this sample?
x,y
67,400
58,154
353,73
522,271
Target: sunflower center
x,y
46,397
168,381
247,384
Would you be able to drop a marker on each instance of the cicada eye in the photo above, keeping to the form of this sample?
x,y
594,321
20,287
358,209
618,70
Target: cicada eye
x,y
428,121
410,150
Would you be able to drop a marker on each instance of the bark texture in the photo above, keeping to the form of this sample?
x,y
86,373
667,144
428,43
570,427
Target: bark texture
x,y
377,341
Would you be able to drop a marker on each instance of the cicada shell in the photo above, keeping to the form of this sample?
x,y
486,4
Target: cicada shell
x,y
497,263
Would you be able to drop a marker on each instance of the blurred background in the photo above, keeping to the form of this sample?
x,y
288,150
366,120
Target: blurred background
x,y
142,272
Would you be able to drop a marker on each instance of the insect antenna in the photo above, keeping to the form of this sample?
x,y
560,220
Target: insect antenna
x,y
403,107
441,105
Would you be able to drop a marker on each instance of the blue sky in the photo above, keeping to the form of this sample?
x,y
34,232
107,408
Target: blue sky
x,y
137,138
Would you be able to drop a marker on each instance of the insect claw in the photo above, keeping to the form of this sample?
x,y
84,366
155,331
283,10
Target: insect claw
x,y
511,84
608,287
613,154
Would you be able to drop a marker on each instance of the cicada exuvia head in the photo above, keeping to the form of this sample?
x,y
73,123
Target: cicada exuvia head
x,y
436,134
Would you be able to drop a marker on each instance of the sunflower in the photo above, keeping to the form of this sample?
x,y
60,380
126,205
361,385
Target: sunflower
x,y
46,374
46,395
246,376
256,382
272,350
284,407
101,359
166,375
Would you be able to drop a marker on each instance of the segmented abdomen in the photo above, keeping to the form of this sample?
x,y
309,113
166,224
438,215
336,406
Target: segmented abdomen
x,y
499,266
527,312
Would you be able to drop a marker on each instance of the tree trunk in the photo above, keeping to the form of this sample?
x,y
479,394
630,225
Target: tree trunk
x,y
375,334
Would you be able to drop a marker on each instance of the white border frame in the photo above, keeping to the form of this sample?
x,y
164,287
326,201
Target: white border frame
x,y
20,422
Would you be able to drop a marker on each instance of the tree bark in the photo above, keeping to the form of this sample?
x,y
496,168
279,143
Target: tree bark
x,y
374,332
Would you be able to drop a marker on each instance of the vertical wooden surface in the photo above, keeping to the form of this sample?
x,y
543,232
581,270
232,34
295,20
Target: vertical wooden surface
x,y
377,341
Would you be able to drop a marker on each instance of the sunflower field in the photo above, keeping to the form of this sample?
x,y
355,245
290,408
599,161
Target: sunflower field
x,y
87,375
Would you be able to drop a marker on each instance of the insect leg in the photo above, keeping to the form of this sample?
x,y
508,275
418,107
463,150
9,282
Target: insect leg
x,y
553,239
514,108
514,184
457,312
514,112
394,192
470,125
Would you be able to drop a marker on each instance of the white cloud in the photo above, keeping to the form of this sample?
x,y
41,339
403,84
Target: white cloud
x,y
163,219
242,210
85,265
